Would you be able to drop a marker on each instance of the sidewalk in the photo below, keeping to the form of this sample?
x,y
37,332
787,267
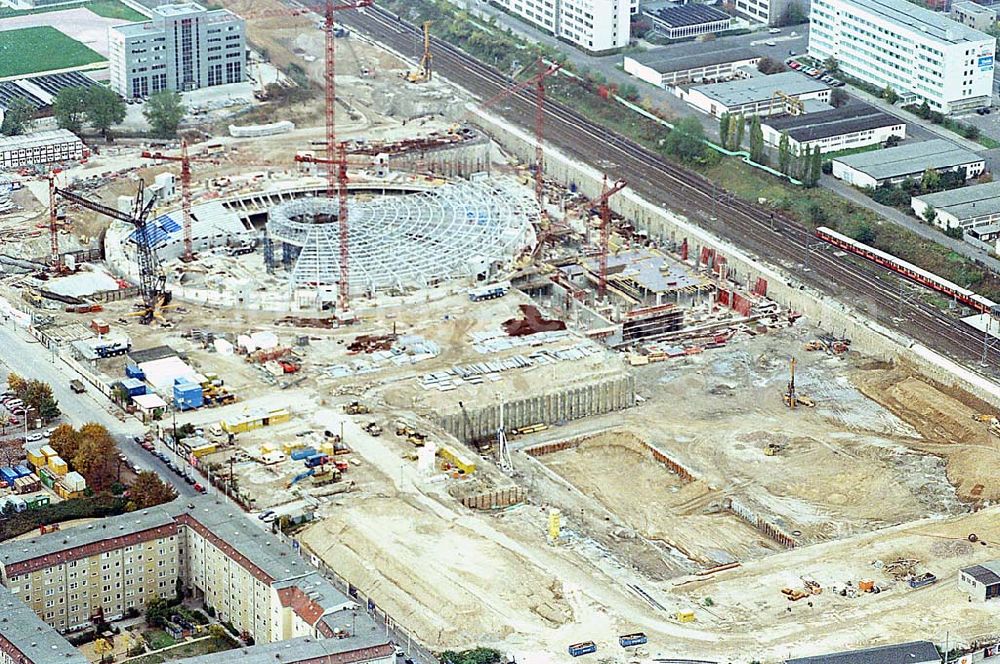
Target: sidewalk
x,y
923,230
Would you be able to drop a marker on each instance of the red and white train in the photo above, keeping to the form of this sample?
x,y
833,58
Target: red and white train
x,y
909,270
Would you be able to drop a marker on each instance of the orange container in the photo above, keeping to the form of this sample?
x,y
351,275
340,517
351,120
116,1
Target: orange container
x,y
866,585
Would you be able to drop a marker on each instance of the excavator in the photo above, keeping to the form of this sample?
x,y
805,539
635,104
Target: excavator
x,y
423,71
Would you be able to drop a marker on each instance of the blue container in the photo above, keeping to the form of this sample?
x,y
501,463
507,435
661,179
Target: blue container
x,y
584,648
317,460
22,470
8,475
188,396
133,386
629,640
303,453
133,371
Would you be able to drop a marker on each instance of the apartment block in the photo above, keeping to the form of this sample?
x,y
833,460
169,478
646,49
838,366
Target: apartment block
x,y
923,55
71,578
771,12
593,25
184,47
76,576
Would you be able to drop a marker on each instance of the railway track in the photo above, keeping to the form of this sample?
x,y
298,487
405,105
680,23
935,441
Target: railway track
x,y
773,236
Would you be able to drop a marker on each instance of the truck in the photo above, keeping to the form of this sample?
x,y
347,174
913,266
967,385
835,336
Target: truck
x,y
629,640
924,579
489,291
317,460
77,386
582,648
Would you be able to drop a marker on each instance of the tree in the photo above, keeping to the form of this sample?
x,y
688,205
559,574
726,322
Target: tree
x,y
839,97
149,490
164,111
17,118
97,456
924,110
725,120
815,166
863,232
769,66
65,440
784,154
930,181
831,65
17,385
70,108
687,140
39,397
756,141
892,141
930,214
741,125
158,611
890,95
792,14
104,108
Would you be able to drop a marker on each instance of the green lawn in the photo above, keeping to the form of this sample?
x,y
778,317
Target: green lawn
x,y
39,49
105,8
192,649
158,639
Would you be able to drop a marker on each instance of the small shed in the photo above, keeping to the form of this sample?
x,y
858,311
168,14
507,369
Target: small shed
x,y
982,581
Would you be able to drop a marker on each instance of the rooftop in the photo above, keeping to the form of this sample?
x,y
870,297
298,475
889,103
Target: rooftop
x,y
915,652
684,15
170,11
930,24
748,91
835,122
226,523
664,61
966,202
985,573
909,159
23,630
178,9
303,649
69,544
974,8
36,139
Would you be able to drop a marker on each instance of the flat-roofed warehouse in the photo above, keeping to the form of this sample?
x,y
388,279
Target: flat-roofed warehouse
x,y
965,207
893,165
664,70
764,95
691,20
844,128
914,652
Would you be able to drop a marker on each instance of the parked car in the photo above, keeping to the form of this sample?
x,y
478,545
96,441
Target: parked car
x,y
199,488
774,31
265,514
771,42
35,437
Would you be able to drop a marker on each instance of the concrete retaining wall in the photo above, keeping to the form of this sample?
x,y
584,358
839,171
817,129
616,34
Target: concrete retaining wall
x,y
572,403
867,336
496,499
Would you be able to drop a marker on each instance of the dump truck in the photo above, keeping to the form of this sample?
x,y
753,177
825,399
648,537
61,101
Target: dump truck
x,y
356,408
373,429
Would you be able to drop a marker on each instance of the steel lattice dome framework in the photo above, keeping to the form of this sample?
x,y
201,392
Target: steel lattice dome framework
x,y
407,241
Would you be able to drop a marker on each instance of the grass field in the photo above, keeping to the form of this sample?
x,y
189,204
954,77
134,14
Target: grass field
x,y
31,50
105,8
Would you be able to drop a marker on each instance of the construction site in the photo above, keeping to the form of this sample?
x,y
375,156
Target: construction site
x,y
504,413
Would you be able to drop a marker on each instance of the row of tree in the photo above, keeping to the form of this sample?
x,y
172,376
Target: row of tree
x,y
92,451
36,395
100,108
806,166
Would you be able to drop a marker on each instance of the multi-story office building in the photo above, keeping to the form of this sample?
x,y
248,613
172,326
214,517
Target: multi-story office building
x,y
922,55
974,15
184,47
71,578
593,25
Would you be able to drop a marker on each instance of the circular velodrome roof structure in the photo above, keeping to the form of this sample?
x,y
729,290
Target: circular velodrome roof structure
x,y
407,241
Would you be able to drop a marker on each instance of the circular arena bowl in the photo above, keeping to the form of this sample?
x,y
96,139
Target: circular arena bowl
x,y
402,242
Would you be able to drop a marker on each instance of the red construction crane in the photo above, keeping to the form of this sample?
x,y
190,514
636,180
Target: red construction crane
x,y
602,203
185,161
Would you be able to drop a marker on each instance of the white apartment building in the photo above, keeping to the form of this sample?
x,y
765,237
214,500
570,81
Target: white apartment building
x,y
593,25
922,55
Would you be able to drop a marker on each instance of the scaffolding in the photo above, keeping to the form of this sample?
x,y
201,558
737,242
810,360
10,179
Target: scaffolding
x,y
403,242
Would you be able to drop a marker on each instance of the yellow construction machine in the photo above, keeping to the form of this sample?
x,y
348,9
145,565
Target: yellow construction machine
x,y
791,397
423,71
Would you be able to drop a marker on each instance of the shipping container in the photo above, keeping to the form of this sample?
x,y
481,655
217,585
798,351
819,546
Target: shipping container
x,y
48,451
74,481
22,470
584,648
8,475
58,466
303,453
629,640
317,460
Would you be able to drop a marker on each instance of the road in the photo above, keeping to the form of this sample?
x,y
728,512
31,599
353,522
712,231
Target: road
x,y
782,240
23,354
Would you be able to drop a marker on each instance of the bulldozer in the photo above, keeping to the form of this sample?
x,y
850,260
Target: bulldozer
x,y
356,408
